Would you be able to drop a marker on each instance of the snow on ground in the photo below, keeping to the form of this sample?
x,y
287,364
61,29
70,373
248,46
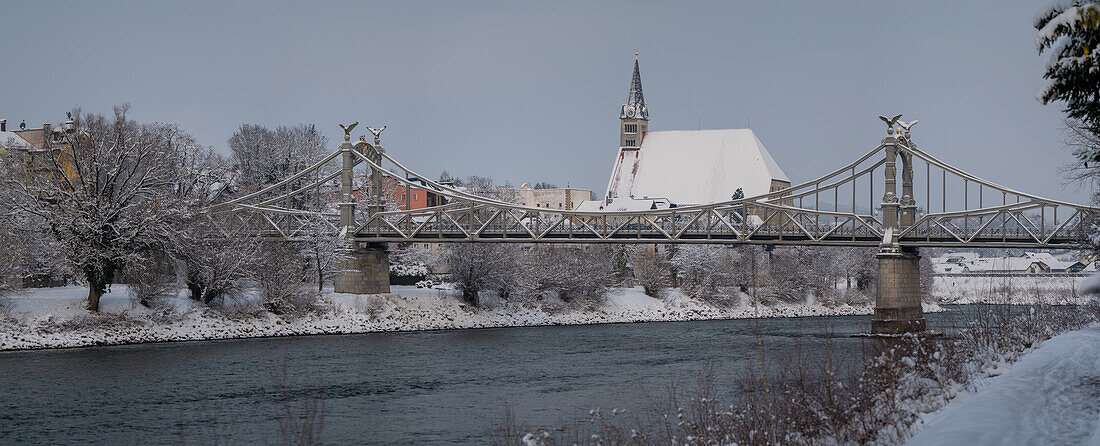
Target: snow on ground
x,y
1050,396
54,317
952,289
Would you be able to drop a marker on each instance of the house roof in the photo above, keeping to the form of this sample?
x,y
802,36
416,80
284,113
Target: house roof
x,y
695,167
13,140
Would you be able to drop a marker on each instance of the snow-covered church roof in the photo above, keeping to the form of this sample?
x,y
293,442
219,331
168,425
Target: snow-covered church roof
x,y
695,167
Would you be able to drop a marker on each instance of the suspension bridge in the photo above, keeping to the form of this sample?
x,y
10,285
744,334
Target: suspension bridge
x,y
859,204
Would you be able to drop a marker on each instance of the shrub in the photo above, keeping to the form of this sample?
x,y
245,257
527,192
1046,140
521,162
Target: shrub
x,y
481,266
577,274
652,269
279,274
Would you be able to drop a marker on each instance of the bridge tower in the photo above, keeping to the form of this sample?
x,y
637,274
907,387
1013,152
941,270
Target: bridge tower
x,y
897,300
365,267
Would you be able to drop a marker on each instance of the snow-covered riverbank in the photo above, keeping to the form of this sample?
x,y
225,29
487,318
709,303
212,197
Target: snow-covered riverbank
x,y
1021,290
1051,395
55,318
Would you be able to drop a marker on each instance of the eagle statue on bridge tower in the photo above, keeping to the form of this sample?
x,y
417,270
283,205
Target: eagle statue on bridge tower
x,y
348,129
890,122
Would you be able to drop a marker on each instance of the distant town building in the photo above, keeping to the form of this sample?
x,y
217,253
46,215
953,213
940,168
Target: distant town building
x,y
401,197
660,169
561,198
38,150
1026,263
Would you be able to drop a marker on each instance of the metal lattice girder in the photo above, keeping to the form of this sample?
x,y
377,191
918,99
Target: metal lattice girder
x,y
794,215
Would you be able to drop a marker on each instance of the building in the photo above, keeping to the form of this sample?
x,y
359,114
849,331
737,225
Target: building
x,y
402,197
658,169
1026,263
39,150
561,198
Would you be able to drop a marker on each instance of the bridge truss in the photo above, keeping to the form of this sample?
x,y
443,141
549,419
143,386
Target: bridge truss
x,y
858,204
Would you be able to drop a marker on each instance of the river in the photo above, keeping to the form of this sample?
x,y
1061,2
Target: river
x,y
436,387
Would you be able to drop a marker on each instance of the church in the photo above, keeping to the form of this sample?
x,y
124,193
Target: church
x,y
670,168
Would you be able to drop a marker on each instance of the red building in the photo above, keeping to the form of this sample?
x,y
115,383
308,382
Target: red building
x,y
417,198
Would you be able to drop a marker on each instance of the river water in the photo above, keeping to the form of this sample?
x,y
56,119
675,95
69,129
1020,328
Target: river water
x,y
437,387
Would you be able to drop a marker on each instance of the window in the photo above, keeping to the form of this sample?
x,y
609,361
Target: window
x,y
630,143
632,128
414,195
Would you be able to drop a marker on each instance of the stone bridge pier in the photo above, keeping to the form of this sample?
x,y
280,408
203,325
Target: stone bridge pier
x,y
364,269
897,300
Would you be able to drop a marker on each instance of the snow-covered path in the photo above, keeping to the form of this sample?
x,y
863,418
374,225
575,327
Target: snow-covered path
x,y
1050,396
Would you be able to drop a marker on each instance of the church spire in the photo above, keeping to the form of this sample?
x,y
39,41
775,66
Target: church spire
x,y
634,107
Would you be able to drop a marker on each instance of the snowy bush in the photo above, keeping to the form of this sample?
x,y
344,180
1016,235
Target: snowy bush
x,y
372,306
708,273
91,322
573,273
216,256
481,266
652,268
238,308
153,281
280,279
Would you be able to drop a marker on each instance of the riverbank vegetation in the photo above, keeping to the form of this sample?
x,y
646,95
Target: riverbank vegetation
x,y
813,396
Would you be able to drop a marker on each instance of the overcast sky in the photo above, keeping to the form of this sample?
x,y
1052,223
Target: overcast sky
x,y
530,91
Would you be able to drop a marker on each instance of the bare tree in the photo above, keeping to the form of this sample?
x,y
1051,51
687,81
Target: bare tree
x,y
478,266
264,156
216,256
577,273
109,194
279,274
707,272
1084,144
651,268
153,281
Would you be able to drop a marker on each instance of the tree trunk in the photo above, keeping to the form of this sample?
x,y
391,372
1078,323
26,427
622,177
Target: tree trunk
x,y
320,274
95,291
98,279
470,296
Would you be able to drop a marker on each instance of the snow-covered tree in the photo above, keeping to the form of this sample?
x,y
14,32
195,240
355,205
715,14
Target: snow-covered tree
x,y
413,263
652,268
707,272
279,275
1070,31
10,253
216,255
264,156
109,195
789,274
748,267
479,266
572,273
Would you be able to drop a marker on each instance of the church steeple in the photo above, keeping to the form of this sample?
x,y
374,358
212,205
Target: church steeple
x,y
634,107
634,115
